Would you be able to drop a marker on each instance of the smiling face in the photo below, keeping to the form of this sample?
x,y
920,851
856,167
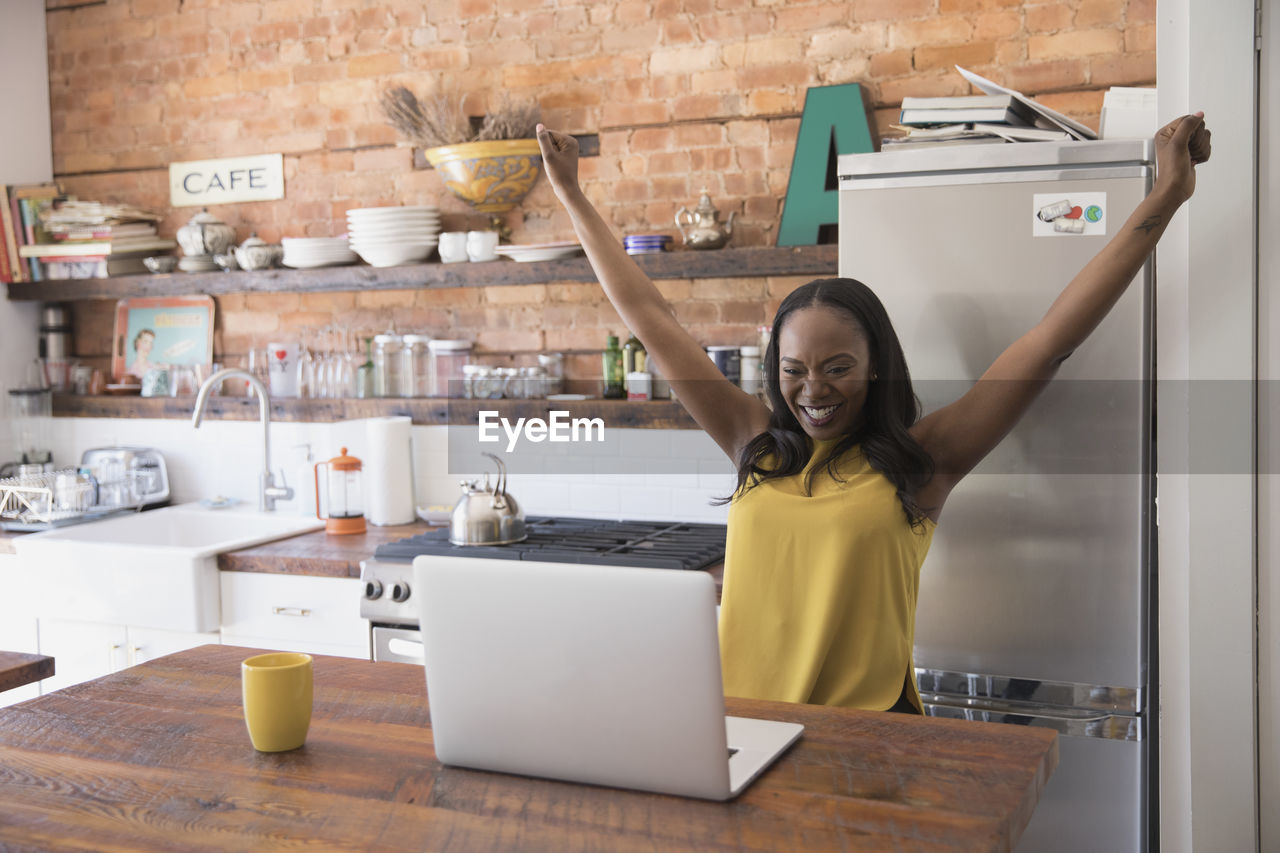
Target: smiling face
x,y
824,369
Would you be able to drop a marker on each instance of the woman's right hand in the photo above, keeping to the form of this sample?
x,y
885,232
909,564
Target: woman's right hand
x,y
560,157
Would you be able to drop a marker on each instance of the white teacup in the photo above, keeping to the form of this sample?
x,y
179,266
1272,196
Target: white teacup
x,y
482,245
453,247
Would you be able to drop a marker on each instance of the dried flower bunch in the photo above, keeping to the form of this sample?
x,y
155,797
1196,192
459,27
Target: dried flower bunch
x,y
439,120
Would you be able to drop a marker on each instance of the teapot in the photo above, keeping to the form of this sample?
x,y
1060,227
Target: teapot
x,y
701,228
487,515
205,235
257,254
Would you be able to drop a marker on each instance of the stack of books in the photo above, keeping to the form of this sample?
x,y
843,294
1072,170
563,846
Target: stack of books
x,y
968,119
89,239
997,115
20,227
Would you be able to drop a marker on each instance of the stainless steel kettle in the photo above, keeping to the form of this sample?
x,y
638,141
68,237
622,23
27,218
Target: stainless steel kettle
x,y
487,515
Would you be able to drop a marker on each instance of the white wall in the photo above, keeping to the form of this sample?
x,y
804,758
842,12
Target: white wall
x,y
26,156
1205,319
223,458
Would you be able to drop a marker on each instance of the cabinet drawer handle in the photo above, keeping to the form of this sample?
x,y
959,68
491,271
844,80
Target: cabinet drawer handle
x,y
290,611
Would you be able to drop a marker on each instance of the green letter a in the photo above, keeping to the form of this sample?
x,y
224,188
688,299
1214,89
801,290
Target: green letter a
x,y
834,122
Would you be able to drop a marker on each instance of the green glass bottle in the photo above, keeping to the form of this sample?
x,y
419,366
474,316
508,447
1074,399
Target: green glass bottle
x,y
634,357
614,389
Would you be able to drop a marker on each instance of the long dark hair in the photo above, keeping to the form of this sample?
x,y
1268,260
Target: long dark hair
x,y
891,406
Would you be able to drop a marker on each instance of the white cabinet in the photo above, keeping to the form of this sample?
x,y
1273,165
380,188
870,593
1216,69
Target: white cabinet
x,y
85,650
294,613
17,623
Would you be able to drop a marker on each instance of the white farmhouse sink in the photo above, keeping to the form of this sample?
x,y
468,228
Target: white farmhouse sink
x,y
156,569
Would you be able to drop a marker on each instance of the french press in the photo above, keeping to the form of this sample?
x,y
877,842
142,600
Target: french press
x,y
343,495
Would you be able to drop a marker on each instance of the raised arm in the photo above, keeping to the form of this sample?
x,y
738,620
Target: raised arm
x,y
730,416
958,436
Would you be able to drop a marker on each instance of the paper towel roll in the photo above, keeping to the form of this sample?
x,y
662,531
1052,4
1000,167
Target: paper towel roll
x,y
388,471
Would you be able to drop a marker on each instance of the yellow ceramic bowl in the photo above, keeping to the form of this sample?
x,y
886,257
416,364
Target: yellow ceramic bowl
x,y
492,176
277,690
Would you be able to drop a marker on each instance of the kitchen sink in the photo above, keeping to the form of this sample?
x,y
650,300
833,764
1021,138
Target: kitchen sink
x,y
156,569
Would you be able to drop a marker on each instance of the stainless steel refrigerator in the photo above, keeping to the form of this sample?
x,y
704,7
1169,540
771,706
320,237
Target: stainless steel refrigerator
x,y
1036,600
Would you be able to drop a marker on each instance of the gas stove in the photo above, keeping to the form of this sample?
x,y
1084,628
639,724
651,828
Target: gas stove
x,y
388,595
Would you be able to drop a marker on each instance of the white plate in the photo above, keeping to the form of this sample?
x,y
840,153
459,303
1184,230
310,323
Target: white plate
x,y
405,231
394,210
390,256
327,253
540,252
399,217
311,265
566,397
387,245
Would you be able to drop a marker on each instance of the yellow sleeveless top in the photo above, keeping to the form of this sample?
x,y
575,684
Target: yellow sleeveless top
x,y
819,596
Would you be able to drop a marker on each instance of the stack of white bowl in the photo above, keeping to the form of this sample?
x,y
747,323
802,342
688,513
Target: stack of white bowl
x,y
389,236
306,253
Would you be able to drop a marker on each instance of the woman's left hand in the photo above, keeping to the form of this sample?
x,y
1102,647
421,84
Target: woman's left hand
x,y
1181,145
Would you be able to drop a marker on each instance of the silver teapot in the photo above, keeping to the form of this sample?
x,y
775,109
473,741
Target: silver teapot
x,y
205,235
702,228
257,254
487,515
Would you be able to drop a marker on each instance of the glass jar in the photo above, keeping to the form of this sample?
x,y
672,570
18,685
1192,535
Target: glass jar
x,y
552,364
471,374
535,382
508,381
447,360
415,380
486,384
388,364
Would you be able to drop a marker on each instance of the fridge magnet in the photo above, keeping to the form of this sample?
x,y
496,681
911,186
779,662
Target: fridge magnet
x,y
1054,215
159,332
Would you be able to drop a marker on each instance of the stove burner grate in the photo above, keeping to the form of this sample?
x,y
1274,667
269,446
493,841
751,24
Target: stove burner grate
x,y
646,544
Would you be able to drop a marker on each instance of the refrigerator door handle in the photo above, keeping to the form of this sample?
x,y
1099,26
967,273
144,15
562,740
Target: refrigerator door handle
x,y
1074,722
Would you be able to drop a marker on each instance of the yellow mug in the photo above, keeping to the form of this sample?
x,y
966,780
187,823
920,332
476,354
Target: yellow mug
x,y
277,700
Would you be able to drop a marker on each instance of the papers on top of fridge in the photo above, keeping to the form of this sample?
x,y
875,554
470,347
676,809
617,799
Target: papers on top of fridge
x,y
1052,117
976,131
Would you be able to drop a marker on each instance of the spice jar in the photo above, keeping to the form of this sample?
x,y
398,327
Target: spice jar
x,y
415,380
388,364
447,360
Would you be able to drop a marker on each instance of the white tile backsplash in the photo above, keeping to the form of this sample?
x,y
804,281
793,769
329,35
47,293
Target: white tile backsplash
x,y
657,474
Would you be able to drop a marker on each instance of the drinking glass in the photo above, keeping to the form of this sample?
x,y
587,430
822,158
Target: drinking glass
x,y
306,371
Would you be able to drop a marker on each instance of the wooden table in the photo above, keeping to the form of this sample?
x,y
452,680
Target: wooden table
x,y
156,757
17,669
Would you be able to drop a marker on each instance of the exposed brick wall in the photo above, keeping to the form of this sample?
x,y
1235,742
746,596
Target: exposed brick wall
x,y
684,94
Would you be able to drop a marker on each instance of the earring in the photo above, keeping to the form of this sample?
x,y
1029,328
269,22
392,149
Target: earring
x,y
874,376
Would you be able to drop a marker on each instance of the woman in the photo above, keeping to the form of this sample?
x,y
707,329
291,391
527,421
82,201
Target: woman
x,y
841,485
142,344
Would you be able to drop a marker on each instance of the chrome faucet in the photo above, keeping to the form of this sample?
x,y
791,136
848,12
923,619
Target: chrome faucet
x,y
268,491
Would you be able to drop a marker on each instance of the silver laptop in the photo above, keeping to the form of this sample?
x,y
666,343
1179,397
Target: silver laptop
x,y
609,676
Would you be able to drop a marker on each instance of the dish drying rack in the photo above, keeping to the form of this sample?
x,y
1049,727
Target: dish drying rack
x,y
30,502
122,479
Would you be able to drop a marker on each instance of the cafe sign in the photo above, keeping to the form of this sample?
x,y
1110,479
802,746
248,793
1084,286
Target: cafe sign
x,y
234,179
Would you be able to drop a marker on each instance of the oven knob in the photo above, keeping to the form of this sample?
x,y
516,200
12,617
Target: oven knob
x,y
373,590
399,592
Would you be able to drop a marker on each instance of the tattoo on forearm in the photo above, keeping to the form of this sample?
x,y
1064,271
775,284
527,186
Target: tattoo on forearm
x,y
1149,224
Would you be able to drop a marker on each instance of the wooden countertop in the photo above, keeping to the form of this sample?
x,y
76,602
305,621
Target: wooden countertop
x,y
317,553
156,757
18,668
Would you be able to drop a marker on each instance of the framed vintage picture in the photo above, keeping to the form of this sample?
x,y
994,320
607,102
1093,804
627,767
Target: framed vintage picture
x,y
161,331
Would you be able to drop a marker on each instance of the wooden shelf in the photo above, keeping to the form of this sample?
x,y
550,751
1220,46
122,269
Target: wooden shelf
x,y
652,414
718,263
